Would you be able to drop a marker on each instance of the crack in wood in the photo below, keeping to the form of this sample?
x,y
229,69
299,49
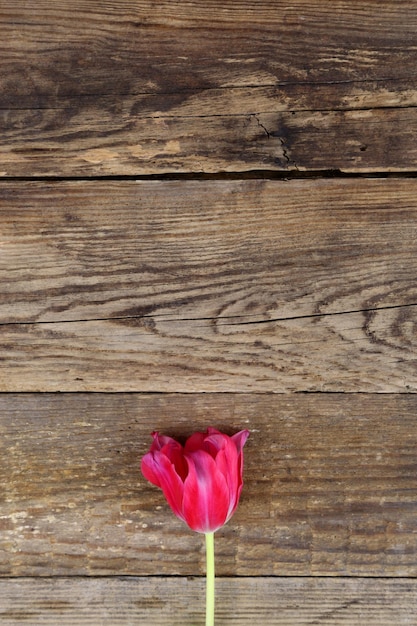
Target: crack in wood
x,y
226,115
242,318
261,125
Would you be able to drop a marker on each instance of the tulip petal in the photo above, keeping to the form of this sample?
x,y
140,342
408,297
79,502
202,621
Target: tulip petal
x,y
173,450
195,442
227,463
206,494
240,439
158,469
175,453
159,441
230,461
215,441
150,470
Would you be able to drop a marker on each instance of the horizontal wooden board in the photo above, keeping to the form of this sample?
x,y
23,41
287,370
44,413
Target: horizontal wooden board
x,y
95,142
180,601
137,47
209,285
330,485
131,88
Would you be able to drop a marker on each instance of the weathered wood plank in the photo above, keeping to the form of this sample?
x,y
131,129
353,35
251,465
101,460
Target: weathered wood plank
x,y
209,286
330,485
277,87
95,143
180,601
135,47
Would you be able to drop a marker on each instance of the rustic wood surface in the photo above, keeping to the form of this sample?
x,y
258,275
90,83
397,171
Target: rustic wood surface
x,y
206,198
330,485
209,286
361,140
128,88
178,601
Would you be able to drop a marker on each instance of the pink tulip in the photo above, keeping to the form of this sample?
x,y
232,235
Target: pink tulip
x,y
201,481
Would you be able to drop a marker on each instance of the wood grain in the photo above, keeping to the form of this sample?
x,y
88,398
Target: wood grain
x,y
94,143
330,485
126,48
209,286
129,88
166,601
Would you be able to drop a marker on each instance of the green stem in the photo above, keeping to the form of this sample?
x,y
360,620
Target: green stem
x,y
210,579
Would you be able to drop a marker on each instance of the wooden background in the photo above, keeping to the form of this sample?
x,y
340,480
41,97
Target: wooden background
x,y
208,216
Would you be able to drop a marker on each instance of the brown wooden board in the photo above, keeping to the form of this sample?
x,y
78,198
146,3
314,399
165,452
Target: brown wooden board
x,y
164,601
134,88
95,143
330,485
209,285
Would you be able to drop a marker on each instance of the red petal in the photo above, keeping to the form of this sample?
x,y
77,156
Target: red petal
x,y
175,453
230,461
159,441
173,450
149,469
227,463
158,469
240,439
195,442
215,441
206,495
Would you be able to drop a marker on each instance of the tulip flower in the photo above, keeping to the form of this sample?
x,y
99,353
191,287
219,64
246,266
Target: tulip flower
x,y
202,482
